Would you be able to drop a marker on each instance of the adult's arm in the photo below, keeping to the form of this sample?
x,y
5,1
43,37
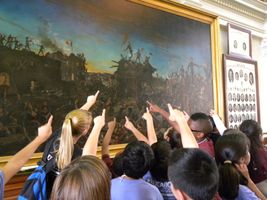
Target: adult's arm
x,y
218,122
156,109
187,137
20,158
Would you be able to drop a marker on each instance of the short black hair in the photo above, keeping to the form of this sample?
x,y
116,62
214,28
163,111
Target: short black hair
x,y
137,159
194,172
162,153
117,165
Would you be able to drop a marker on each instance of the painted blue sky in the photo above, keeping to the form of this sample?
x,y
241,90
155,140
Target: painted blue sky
x,y
100,28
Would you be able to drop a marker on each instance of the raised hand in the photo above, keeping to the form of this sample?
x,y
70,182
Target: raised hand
x,y
175,115
188,139
243,169
153,107
187,117
128,124
212,112
45,131
92,98
99,121
147,116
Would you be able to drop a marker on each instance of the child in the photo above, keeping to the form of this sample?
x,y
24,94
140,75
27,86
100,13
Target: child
x,y
193,174
18,160
258,164
137,160
201,126
232,155
85,178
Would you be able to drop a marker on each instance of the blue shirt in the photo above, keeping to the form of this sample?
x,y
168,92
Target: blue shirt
x,y
245,193
138,189
2,184
164,187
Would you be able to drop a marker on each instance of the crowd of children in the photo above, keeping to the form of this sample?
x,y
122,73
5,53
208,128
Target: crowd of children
x,y
197,158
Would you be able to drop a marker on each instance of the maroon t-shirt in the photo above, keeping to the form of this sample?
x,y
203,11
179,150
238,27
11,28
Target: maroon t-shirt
x,y
207,146
258,166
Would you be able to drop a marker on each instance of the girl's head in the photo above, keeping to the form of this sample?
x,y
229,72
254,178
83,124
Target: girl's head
x,y
76,124
85,178
253,131
231,149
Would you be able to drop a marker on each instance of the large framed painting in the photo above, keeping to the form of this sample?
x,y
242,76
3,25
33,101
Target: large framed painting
x,y
53,54
241,90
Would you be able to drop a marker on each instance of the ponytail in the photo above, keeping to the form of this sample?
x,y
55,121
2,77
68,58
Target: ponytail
x,y
66,145
228,181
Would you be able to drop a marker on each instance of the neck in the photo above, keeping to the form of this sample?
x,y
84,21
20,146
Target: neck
x,y
199,141
75,139
127,177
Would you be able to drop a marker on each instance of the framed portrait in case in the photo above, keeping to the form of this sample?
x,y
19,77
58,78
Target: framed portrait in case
x,y
239,41
240,90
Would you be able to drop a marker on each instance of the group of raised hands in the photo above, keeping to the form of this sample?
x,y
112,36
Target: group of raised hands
x,y
177,118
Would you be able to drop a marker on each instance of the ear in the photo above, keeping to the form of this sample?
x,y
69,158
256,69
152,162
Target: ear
x,y
177,193
85,131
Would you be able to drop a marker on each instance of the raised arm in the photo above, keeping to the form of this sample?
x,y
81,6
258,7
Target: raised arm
x,y
187,137
218,122
244,170
139,136
151,134
107,138
156,109
90,147
90,101
20,158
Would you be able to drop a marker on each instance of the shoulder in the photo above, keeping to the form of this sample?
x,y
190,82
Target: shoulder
x,y
262,155
150,187
1,177
246,194
147,177
2,183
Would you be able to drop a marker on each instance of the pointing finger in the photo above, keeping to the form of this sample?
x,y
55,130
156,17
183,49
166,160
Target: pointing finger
x,y
96,94
50,120
104,112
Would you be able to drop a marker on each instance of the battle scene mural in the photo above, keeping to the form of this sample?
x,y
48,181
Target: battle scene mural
x,y
53,54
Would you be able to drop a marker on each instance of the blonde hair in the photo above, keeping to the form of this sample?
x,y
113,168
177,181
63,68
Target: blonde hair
x,y
75,124
85,178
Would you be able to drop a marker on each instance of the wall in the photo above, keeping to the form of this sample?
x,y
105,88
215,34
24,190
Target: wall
x,y
248,14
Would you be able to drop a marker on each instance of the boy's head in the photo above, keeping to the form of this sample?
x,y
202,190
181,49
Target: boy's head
x,y
200,125
117,165
137,159
193,174
162,152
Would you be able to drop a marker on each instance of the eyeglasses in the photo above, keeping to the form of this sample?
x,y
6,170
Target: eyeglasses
x,y
195,131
